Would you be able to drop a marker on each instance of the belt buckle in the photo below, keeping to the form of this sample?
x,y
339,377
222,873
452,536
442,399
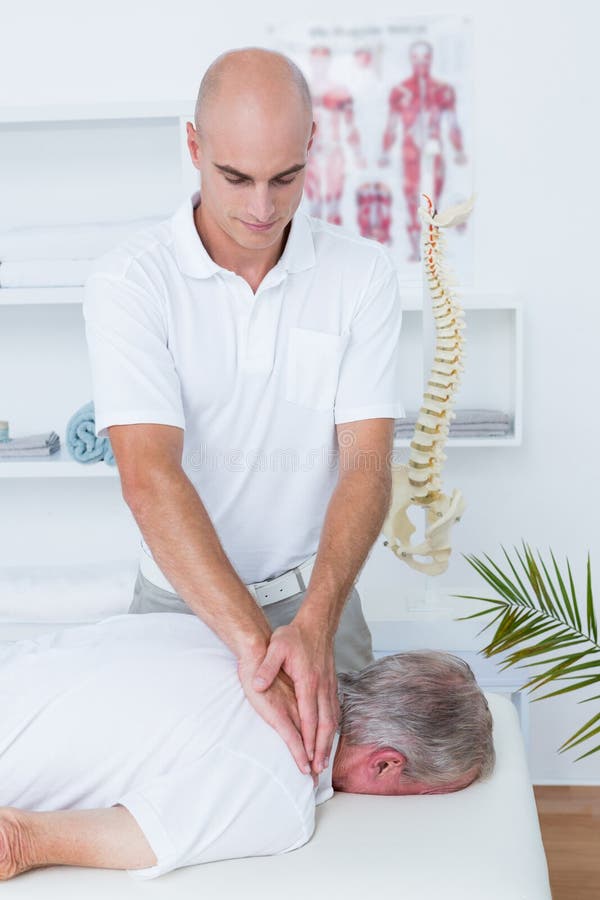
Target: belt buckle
x,y
280,588
272,590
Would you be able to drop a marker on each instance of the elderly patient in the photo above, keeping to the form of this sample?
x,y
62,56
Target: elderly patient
x,y
129,744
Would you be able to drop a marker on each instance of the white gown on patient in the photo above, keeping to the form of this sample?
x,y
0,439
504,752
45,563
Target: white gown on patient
x,y
148,711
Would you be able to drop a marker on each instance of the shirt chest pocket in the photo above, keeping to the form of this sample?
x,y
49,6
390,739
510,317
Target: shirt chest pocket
x,y
312,367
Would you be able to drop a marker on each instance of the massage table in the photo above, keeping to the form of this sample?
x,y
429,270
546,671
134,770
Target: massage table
x,y
481,843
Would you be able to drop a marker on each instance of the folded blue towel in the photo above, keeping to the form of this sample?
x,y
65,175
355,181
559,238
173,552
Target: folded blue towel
x,y
83,443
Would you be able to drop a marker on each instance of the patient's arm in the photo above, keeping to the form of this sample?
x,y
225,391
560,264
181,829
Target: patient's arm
x,y
97,838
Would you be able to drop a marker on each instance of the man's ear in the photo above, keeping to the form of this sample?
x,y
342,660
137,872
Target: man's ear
x,y
193,143
386,761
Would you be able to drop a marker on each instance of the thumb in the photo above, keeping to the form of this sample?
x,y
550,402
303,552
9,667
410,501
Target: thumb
x,y
267,671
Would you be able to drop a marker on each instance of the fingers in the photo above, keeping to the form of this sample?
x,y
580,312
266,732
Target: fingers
x,y
319,713
302,702
285,718
293,739
328,720
309,714
266,673
277,706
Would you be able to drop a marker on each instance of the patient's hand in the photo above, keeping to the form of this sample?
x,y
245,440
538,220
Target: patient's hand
x,y
278,706
305,653
16,851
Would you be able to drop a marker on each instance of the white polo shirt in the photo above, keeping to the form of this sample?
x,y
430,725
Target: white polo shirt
x,y
257,381
148,711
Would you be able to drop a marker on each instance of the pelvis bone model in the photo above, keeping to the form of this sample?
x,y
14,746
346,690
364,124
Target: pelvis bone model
x,y
419,482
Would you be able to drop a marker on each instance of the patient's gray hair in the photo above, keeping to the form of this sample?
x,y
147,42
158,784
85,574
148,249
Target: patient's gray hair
x,y
427,705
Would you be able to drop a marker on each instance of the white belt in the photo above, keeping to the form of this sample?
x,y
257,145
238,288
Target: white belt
x,y
264,592
285,585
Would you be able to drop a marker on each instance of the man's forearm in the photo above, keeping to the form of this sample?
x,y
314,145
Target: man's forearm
x,y
186,547
354,518
184,543
99,838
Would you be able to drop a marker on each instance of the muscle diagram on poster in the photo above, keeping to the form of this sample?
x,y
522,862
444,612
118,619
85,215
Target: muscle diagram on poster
x,y
383,96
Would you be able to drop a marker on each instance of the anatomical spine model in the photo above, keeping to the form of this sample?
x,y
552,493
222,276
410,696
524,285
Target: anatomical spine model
x,y
419,482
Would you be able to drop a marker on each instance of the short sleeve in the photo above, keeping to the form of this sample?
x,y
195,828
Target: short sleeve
x,y
224,805
134,378
369,379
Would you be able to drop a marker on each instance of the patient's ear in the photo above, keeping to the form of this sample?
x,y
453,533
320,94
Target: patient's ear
x,y
386,762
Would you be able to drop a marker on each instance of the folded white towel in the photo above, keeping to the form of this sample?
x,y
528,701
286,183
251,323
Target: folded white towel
x,y
44,272
466,416
25,454
80,240
462,429
31,441
478,433
80,592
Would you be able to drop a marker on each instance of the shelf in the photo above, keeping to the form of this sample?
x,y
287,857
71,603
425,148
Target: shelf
x,y
510,440
82,112
40,295
59,465
493,361
111,181
411,296
103,159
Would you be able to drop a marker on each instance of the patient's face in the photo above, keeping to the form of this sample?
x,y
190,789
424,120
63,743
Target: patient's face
x,y
367,769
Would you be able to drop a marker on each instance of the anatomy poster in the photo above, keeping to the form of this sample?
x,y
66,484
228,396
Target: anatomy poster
x,y
392,103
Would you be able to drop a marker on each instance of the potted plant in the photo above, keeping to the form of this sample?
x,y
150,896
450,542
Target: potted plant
x,y
537,615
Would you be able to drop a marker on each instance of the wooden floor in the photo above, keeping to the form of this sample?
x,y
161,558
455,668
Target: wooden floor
x,y
570,823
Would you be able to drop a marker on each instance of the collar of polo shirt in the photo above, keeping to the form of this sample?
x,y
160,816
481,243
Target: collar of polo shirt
x,y
194,260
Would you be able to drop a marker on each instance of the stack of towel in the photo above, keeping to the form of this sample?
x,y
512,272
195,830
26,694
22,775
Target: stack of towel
x,y
32,445
82,442
59,255
468,423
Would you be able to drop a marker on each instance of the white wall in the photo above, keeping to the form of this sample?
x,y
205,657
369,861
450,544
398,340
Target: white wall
x,y
536,176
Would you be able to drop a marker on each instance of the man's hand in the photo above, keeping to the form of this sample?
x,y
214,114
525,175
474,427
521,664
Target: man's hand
x,y
277,705
306,655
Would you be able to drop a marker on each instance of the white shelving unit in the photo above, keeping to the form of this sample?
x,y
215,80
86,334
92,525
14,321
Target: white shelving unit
x,y
127,161
493,376
34,296
58,465
69,164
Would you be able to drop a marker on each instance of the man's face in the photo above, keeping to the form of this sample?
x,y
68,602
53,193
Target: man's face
x,y
362,783
366,769
252,161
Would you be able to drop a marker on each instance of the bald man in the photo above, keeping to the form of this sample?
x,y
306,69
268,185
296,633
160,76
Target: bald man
x,y
244,365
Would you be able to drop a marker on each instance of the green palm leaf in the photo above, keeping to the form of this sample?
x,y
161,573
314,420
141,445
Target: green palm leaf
x,y
536,614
